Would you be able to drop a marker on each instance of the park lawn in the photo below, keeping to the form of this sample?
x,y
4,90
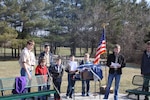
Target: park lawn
x,y
12,69
63,51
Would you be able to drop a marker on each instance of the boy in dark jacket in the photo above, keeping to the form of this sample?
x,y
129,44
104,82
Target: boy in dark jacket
x,y
56,71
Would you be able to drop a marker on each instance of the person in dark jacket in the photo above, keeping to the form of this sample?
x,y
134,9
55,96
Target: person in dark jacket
x,y
115,62
145,66
56,72
47,55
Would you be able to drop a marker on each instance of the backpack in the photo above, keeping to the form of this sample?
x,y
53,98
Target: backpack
x,y
20,84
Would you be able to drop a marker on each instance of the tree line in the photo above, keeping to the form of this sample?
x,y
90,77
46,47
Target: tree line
x,y
75,23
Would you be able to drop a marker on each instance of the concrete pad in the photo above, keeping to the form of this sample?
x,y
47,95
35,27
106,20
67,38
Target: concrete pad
x,y
93,97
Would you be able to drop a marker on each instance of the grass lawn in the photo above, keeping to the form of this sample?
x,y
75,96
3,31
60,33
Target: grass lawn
x,y
12,69
63,51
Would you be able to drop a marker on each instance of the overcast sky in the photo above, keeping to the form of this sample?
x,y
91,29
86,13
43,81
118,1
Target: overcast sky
x,y
146,0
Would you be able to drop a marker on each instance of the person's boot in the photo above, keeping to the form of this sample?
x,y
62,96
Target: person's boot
x,y
146,98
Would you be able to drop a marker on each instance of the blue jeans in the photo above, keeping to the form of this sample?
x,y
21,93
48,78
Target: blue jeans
x,y
24,73
87,82
70,87
109,83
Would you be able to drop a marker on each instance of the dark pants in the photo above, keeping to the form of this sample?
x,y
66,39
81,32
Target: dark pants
x,y
146,85
40,88
85,83
48,83
58,86
71,83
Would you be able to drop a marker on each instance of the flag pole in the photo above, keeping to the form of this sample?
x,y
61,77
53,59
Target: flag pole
x,y
101,47
104,87
104,26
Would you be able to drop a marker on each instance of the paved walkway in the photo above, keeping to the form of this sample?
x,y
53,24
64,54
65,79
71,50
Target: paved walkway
x,y
99,97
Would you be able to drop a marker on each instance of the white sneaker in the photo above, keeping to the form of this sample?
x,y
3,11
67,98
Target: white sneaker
x,y
67,97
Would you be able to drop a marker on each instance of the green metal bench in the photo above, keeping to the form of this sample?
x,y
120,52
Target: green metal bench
x,y
8,84
26,95
138,81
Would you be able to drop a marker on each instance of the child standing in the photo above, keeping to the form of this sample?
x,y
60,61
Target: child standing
x,y
56,71
41,69
71,69
85,82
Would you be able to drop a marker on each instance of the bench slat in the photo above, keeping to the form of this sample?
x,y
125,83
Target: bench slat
x,y
139,80
8,83
138,92
27,95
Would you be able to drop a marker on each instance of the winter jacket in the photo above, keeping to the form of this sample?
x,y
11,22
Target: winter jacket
x,y
121,61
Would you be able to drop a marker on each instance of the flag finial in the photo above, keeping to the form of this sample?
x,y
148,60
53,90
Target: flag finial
x,y
104,25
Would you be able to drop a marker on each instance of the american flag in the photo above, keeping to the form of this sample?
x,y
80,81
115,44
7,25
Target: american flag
x,y
101,48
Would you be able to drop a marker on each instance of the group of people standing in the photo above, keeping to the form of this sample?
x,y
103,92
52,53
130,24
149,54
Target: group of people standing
x,y
115,62
45,66
71,69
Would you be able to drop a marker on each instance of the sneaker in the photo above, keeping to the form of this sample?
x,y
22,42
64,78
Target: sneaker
x,y
87,94
67,97
105,99
70,97
146,99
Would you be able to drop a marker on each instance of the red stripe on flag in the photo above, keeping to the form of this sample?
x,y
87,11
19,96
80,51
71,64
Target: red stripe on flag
x,y
101,48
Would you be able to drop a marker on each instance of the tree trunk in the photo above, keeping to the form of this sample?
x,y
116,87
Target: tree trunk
x,y
73,49
15,53
12,53
55,47
40,48
4,51
92,48
18,51
87,43
80,51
